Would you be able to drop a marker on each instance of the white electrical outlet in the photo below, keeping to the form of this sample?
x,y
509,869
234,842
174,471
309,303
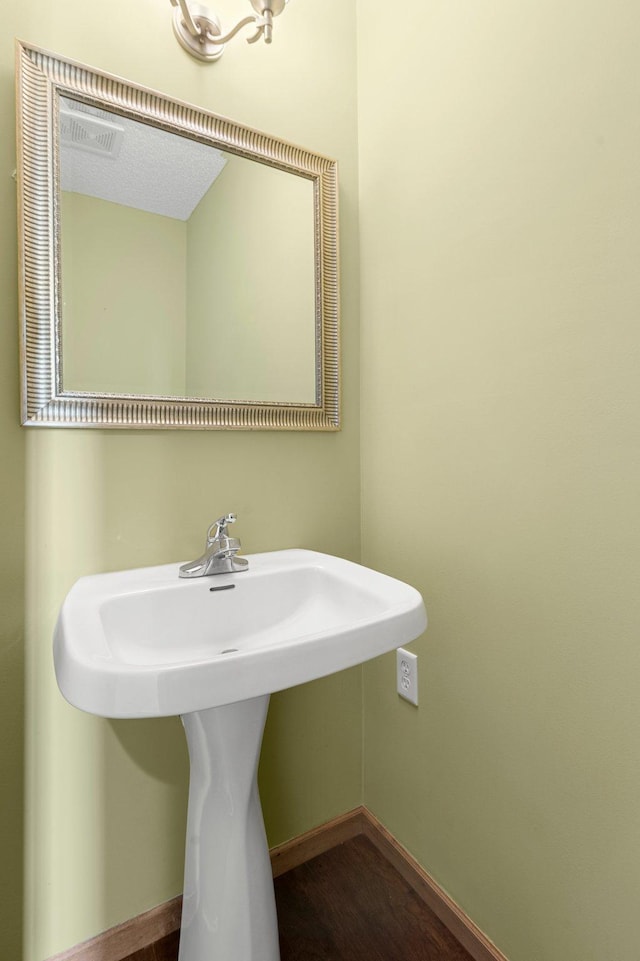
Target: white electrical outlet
x,y
407,675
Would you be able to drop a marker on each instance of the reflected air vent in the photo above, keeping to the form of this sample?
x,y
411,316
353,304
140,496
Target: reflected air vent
x,y
86,131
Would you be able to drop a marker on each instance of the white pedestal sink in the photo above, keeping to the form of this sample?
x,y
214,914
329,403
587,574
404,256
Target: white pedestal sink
x,y
145,643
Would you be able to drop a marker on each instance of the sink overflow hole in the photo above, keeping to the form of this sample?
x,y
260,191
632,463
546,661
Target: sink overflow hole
x,y
223,587
229,650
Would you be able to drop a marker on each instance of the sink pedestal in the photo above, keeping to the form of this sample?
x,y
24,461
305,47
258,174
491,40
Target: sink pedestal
x,y
229,911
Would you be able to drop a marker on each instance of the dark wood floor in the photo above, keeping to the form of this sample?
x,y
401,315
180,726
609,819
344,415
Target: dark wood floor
x,y
348,904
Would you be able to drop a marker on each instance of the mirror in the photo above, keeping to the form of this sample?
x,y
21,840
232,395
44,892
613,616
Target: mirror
x,y
177,269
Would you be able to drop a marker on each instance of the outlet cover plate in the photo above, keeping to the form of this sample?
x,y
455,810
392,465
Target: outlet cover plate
x,y
407,675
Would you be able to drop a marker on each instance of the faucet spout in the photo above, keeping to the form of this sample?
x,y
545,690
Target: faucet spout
x,y
220,555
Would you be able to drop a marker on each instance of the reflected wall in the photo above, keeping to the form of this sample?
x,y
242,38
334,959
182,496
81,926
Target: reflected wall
x,y
124,298
217,302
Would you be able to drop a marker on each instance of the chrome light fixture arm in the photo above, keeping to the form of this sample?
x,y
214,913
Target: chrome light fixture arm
x,y
198,29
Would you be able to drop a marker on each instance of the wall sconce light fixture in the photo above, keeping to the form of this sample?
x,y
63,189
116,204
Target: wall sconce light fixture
x,y
198,29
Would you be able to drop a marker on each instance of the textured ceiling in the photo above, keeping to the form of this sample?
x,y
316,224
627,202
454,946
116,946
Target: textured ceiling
x,y
111,157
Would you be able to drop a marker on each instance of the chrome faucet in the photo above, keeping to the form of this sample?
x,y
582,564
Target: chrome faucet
x,y
220,553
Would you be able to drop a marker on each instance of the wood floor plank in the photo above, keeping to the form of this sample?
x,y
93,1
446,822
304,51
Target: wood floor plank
x,y
144,954
350,904
167,948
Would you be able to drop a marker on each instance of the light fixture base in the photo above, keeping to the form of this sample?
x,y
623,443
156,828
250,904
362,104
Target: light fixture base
x,y
275,7
199,46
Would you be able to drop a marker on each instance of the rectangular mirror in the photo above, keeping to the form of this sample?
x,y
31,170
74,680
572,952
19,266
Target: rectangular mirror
x,y
177,269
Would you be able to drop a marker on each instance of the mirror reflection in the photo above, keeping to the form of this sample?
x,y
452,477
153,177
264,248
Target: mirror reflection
x,y
185,271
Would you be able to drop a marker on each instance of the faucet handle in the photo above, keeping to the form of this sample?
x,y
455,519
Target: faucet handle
x,y
219,528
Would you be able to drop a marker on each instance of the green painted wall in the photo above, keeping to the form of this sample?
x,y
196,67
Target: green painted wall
x,y
12,507
105,801
500,228
500,232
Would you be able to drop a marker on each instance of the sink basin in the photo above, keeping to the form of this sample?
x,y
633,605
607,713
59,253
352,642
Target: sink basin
x,y
145,643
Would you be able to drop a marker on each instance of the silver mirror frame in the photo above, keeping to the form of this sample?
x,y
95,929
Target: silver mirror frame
x,y
40,78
